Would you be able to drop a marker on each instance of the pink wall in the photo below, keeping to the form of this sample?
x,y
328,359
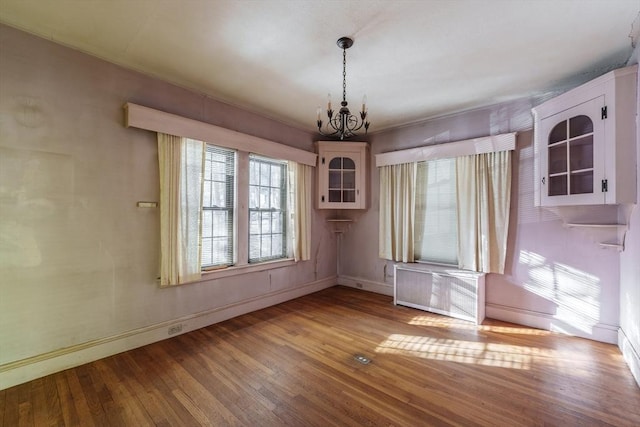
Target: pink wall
x,y
556,278
78,259
629,339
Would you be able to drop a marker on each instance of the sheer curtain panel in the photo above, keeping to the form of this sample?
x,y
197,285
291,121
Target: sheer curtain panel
x,y
181,164
397,212
300,202
484,196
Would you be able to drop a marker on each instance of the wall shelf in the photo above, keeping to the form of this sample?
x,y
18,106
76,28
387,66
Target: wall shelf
x,y
606,225
340,225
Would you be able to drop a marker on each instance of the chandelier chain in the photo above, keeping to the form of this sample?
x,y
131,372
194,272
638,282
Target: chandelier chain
x,y
344,74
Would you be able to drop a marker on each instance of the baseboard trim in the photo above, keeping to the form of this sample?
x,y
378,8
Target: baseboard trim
x,y
630,355
30,368
366,285
599,332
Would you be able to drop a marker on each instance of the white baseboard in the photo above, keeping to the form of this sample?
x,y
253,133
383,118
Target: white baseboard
x,y
599,332
366,285
28,369
630,355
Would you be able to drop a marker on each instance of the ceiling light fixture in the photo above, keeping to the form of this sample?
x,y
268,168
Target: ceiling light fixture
x,y
344,124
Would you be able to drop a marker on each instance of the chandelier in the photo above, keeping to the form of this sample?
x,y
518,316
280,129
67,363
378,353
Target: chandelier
x,y
343,125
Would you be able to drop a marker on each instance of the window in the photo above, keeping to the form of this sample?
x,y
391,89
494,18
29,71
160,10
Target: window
x,y
218,195
436,229
267,209
266,230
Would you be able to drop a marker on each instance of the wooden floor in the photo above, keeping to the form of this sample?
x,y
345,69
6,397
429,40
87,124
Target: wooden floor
x,y
293,364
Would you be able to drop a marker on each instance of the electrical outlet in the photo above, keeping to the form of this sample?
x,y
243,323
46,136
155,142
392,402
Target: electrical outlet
x,y
175,329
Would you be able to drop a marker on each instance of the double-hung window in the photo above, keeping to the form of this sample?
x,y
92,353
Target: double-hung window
x,y
267,209
267,213
218,201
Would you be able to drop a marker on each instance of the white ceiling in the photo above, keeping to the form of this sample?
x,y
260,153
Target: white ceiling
x,y
413,59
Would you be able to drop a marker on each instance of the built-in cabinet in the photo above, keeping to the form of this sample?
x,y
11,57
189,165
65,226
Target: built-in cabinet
x,y
342,175
585,143
585,155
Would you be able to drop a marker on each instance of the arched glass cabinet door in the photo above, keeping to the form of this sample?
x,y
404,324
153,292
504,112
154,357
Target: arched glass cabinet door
x,y
342,180
570,154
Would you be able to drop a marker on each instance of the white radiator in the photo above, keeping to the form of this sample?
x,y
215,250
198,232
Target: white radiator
x,y
448,291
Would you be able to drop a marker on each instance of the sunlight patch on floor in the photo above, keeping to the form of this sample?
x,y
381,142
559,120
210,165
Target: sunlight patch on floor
x,y
477,353
461,324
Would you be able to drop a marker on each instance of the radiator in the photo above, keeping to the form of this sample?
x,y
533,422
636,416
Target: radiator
x,y
448,291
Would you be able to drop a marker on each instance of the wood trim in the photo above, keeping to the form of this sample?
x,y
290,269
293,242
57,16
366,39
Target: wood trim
x,y
366,285
546,321
487,144
630,354
147,118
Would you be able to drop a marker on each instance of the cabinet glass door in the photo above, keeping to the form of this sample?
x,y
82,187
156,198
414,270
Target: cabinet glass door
x,y
342,180
570,152
573,158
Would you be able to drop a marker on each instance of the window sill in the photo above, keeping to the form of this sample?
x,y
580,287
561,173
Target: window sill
x,y
247,268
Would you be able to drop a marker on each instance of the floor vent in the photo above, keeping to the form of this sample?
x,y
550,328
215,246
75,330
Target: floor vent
x,y
362,359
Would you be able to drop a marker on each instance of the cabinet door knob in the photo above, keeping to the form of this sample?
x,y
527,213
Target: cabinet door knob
x,y
543,180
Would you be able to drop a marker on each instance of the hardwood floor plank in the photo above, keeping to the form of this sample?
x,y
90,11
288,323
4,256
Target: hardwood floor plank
x,y
293,364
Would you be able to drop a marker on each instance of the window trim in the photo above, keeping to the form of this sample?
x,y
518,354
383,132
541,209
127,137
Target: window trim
x,y
147,118
487,144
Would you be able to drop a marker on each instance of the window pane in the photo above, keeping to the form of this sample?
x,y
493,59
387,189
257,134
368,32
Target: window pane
x,y
265,223
254,197
219,194
254,173
276,203
207,252
207,223
276,177
335,179
276,244
265,176
254,223
348,163
276,222
254,247
264,198
349,179
265,248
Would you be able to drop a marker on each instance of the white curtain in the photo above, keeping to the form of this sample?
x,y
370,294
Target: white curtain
x,y
300,204
181,165
484,197
397,212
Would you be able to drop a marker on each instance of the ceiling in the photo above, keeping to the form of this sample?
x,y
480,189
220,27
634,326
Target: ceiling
x,y
413,59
